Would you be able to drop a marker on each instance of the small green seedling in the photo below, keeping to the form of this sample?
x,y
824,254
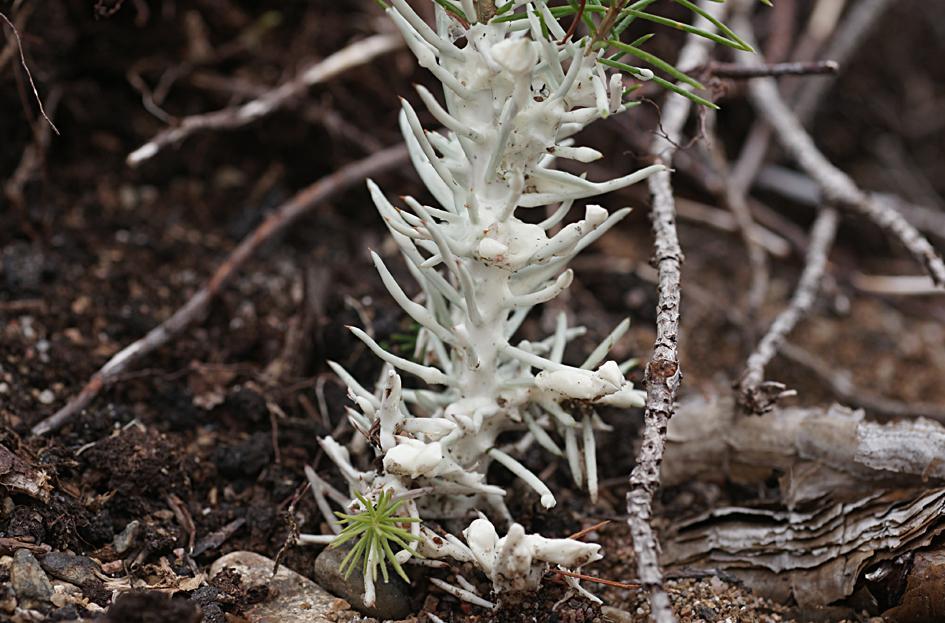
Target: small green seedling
x,y
375,528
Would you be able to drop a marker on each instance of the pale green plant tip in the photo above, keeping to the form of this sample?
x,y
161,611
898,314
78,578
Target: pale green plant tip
x,y
374,527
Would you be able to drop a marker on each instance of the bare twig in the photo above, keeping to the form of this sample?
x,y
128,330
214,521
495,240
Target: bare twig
x,y
801,188
836,185
735,71
29,76
755,395
896,285
663,373
195,308
33,157
353,55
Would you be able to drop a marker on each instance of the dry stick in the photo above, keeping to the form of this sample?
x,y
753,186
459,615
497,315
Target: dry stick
x,y
851,33
836,185
740,72
800,188
662,375
756,395
355,54
837,380
33,157
19,45
195,308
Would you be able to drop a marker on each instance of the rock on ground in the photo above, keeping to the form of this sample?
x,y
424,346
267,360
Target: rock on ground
x,y
392,598
295,598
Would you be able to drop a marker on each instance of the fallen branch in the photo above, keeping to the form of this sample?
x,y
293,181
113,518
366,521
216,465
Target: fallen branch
x,y
355,54
662,376
195,308
735,71
29,75
800,188
836,185
755,395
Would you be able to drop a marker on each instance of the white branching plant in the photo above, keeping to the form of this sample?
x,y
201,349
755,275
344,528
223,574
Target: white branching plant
x,y
514,93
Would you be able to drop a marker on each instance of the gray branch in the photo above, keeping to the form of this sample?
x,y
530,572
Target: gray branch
x,y
836,185
662,371
755,394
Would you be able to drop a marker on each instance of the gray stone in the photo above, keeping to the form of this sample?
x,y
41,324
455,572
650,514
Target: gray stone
x,y
28,579
126,538
72,568
392,598
293,598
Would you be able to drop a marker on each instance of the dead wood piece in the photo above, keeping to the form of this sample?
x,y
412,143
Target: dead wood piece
x,y
196,307
853,493
849,455
755,395
18,476
355,54
813,557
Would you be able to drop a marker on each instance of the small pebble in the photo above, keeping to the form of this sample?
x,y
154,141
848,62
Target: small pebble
x,y
28,579
47,397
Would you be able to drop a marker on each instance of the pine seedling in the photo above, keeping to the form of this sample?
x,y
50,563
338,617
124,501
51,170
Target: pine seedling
x,y
376,527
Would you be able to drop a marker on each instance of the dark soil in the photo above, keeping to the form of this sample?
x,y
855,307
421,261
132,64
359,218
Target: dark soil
x,y
205,444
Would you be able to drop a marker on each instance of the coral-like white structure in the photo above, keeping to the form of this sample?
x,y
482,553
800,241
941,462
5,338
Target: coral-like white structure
x,y
514,96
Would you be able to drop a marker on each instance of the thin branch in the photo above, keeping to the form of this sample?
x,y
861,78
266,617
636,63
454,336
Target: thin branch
x,y
29,75
838,380
662,376
574,22
754,394
34,155
196,307
800,188
836,185
735,71
355,54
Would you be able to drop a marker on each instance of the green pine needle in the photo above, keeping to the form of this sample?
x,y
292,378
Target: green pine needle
x,y
375,528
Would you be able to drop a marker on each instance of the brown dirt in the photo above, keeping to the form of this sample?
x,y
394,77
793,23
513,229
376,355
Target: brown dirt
x,y
99,253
